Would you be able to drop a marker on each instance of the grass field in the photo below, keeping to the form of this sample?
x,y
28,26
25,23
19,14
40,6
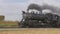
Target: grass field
x,y
8,23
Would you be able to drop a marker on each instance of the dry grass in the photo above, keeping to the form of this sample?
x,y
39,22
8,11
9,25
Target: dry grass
x,y
31,31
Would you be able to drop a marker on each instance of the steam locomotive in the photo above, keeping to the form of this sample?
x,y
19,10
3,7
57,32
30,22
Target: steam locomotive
x,y
39,20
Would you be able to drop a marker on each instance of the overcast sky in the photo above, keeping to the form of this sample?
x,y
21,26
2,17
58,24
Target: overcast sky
x,y
11,9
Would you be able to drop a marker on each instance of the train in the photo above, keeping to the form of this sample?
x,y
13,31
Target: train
x,y
38,19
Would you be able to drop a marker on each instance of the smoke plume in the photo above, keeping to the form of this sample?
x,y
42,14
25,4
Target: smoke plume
x,y
44,6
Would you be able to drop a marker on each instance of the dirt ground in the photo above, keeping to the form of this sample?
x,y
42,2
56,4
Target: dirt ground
x,y
30,31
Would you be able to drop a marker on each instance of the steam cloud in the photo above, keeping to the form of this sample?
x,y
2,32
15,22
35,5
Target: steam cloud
x,y
44,6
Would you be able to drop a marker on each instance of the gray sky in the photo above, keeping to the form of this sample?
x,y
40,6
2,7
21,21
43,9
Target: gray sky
x,y
11,9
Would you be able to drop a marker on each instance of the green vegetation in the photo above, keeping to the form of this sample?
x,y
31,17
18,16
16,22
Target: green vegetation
x,y
8,23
